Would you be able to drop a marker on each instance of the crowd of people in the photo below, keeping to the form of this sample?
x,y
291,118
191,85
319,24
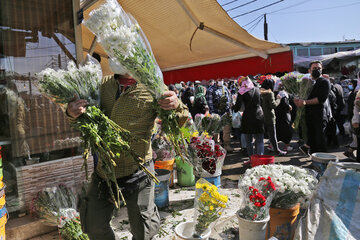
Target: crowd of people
x,y
269,111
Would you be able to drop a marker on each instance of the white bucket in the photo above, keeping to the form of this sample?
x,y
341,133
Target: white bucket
x,y
254,230
184,231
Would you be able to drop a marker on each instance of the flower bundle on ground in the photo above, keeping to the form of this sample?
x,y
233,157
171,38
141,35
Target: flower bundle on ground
x,y
56,207
125,43
210,155
99,133
256,199
209,205
293,184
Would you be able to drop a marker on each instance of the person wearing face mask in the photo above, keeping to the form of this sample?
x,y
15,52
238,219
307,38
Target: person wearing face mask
x,y
316,115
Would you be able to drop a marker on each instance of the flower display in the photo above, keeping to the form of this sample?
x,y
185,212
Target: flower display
x,y
211,123
161,147
256,199
210,155
294,184
125,43
56,207
98,132
209,205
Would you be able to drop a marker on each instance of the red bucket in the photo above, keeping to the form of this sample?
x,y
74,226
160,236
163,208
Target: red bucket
x,y
257,160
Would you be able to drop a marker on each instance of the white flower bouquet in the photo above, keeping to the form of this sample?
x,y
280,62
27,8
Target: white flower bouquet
x,y
127,46
98,132
293,184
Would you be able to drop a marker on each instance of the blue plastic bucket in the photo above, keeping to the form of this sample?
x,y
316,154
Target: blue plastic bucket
x,y
213,180
162,189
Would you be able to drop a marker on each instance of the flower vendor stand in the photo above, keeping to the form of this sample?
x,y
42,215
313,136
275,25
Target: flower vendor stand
x,y
283,222
184,231
252,229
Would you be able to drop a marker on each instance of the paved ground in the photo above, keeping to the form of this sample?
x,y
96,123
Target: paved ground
x,y
182,199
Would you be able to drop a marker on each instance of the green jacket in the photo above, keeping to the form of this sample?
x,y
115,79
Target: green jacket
x,y
133,111
268,104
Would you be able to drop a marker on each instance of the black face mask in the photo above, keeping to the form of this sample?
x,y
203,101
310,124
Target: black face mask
x,y
315,73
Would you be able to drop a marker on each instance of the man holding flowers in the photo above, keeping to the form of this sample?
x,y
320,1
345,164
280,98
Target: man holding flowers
x,y
315,109
130,105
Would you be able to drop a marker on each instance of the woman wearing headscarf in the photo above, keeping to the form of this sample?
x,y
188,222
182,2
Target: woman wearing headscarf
x,y
268,105
252,122
200,104
284,130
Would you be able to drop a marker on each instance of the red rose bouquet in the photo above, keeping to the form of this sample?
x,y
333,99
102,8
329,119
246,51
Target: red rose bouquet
x,y
256,199
210,156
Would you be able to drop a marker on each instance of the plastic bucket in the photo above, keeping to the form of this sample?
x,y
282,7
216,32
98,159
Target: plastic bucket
x,y
320,161
162,189
2,201
185,173
257,160
1,166
255,230
184,231
168,165
3,220
213,180
283,222
2,188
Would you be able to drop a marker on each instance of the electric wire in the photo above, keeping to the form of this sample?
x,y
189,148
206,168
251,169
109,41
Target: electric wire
x,y
229,3
294,5
321,9
240,6
253,20
243,14
254,25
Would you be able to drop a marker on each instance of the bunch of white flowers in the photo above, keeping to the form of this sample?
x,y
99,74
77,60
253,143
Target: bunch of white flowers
x,y
293,184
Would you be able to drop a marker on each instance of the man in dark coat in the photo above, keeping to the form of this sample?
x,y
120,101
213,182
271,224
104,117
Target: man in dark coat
x,y
316,116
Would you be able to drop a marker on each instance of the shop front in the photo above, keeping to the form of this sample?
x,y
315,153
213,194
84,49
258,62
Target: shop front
x,y
39,148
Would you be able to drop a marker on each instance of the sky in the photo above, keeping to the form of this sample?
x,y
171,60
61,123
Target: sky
x,y
293,21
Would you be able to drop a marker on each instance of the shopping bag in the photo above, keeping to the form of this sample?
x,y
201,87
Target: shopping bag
x,y
236,120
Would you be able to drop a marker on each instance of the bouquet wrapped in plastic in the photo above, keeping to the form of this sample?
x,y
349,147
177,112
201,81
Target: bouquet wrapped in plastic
x,y
209,205
211,123
294,184
98,132
300,86
162,148
125,43
56,207
209,156
256,198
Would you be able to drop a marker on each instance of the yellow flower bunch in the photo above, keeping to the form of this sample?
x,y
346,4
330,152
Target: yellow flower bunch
x,y
210,203
195,134
206,134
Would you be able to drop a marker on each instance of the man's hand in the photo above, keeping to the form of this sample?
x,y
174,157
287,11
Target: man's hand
x,y
76,107
299,102
169,101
